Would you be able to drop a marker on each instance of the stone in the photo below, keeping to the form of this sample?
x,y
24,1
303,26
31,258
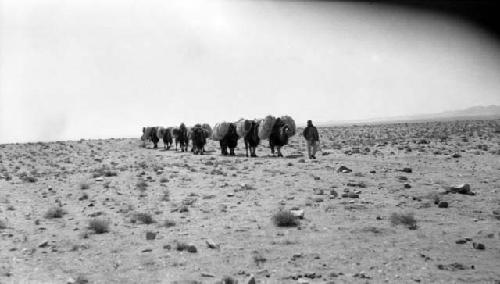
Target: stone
x,y
478,246
454,266
99,179
461,189
44,244
407,170
191,248
343,169
299,213
211,244
251,280
350,195
443,204
407,185
318,191
205,274
150,236
461,241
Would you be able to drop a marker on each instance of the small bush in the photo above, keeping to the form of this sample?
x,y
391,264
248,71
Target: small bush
x,y
84,186
258,258
99,226
186,247
55,212
228,280
110,174
285,218
142,185
169,223
165,196
407,219
81,280
30,179
144,218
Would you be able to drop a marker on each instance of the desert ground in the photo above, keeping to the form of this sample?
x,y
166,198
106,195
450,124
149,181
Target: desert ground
x,y
111,211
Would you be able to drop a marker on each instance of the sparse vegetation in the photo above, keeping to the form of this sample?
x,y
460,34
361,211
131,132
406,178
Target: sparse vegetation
x,y
285,218
228,280
180,194
169,223
99,226
165,196
181,246
407,219
55,212
258,258
144,218
104,171
142,185
26,178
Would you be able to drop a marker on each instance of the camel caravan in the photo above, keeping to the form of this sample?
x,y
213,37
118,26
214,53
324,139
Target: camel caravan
x,y
275,129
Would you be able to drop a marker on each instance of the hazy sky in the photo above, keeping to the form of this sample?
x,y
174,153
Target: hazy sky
x,y
90,69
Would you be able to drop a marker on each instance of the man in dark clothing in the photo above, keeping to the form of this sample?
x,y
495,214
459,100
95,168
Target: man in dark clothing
x,y
312,139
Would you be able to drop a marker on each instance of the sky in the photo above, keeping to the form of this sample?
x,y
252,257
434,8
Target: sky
x,y
102,68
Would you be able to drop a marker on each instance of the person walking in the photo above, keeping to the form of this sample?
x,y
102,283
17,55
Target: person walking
x,y
312,139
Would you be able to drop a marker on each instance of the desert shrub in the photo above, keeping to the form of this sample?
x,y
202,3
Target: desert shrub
x,y
55,212
142,185
81,280
84,186
407,219
99,226
169,223
104,171
144,218
258,258
165,196
28,179
110,174
285,218
228,280
2,225
181,246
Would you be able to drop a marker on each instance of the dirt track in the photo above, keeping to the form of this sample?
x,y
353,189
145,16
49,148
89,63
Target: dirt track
x,y
230,201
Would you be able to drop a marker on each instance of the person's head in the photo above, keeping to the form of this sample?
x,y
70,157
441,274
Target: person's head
x,y
309,123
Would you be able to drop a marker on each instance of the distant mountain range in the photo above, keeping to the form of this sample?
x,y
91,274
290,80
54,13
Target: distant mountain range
x,y
474,113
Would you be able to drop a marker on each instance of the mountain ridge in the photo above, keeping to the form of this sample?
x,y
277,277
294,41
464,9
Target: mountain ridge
x,y
474,113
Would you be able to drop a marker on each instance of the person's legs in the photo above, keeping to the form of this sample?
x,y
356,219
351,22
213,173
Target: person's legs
x,y
314,148
308,145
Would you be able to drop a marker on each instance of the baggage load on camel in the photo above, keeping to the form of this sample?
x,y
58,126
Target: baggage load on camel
x,y
266,126
208,130
288,120
242,127
220,130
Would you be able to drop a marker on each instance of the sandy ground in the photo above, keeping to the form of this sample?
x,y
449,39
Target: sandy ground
x,y
229,202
